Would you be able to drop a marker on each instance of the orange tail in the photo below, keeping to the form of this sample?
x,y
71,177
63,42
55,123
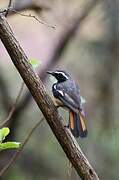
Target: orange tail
x,y
77,124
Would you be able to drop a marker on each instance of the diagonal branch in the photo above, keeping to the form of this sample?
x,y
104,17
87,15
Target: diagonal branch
x,y
45,104
59,48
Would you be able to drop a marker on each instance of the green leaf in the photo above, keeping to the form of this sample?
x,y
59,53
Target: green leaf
x,y
34,62
9,145
3,133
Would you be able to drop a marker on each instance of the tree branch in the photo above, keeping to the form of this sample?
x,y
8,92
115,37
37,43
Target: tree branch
x,y
45,104
9,5
64,38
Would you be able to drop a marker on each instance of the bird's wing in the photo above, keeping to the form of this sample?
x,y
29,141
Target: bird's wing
x,y
67,100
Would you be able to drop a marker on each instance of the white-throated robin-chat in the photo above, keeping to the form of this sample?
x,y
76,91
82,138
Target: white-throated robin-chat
x,y
67,94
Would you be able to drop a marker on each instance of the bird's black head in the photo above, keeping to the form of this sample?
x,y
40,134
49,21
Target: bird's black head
x,y
59,75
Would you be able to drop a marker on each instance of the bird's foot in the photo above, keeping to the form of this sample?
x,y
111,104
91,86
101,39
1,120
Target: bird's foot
x,y
66,126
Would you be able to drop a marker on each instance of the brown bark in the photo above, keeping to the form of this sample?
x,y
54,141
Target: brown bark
x,y
67,34
45,104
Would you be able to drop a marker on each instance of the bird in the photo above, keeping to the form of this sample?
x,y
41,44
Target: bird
x,y
66,94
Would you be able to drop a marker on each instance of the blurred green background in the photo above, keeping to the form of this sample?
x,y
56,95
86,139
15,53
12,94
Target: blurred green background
x,y
87,48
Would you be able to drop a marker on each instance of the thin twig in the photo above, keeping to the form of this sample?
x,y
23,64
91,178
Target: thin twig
x,y
9,5
32,16
27,15
15,156
13,107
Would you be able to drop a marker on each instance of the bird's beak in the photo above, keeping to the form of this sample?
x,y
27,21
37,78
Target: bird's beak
x,y
50,72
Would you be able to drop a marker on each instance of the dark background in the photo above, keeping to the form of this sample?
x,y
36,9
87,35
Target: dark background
x,y
88,49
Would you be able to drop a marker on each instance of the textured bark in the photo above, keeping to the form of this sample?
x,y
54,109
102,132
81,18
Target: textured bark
x,y
45,104
66,35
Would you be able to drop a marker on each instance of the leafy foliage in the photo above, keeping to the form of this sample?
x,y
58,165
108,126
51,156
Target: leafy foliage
x,y
7,145
34,62
3,133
